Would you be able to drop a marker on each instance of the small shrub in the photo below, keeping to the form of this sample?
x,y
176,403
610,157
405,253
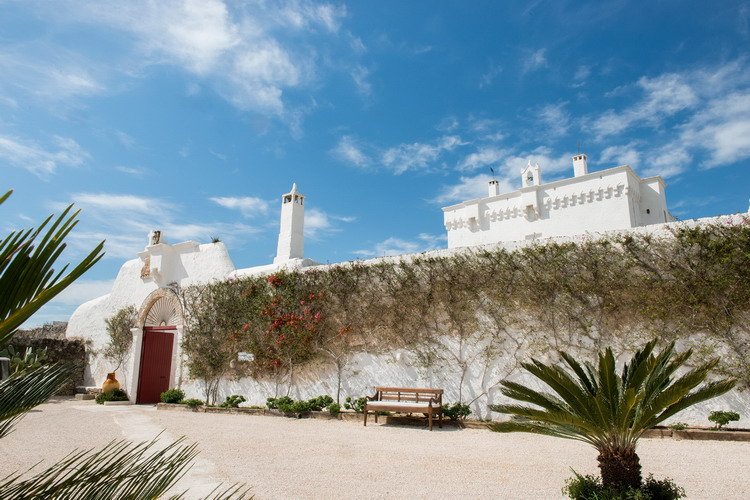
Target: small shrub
x,y
172,396
456,411
722,418
678,426
590,487
192,402
116,395
320,402
357,405
233,401
334,409
273,403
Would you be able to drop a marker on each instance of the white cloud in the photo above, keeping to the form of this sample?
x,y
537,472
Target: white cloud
x,y
249,53
249,206
39,160
622,155
667,161
663,97
535,60
318,223
722,128
124,220
555,118
134,171
485,156
62,306
83,290
418,156
581,74
489,76
47,77
360,76
348,150
398,246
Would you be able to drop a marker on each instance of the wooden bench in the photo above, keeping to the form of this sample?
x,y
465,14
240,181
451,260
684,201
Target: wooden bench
x,y
406,400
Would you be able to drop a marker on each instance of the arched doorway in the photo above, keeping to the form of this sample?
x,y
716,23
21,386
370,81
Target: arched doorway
x,y
161,317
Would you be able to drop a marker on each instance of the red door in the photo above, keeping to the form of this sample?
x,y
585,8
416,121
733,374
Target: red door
x,y
156,363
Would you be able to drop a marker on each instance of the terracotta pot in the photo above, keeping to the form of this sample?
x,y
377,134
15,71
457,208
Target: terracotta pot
x,y
111,383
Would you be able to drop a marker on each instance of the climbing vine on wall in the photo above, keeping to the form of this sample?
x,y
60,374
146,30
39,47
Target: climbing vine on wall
x,y
477,305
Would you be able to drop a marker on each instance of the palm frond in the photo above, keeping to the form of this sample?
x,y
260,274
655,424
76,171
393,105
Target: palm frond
x,y
597,405
28,279
119,470
22,391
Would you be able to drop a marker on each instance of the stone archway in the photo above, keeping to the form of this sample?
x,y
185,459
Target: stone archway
x,y
161,308
156,363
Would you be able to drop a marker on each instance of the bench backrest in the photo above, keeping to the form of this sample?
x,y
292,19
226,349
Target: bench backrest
x,y
416,395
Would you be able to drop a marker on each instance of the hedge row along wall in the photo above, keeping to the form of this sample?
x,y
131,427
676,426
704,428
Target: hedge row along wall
x,y
690,283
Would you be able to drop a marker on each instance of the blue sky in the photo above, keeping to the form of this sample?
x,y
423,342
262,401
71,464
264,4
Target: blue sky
x,y
194,117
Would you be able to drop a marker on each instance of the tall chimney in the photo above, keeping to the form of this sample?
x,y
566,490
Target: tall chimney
x,y
580,165
494,188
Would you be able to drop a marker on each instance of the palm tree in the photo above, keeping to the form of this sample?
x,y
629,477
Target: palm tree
x,y
608,410
120,469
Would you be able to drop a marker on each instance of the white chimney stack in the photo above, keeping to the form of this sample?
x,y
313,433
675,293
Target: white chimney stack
x,y
494,188
580,165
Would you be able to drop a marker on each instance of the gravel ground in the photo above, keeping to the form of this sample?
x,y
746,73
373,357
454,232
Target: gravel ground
x,y
287,458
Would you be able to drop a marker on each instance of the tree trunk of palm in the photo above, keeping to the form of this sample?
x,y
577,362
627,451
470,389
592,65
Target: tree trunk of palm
x,y
621,468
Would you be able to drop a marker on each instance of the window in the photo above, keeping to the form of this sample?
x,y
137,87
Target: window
x,y
648,210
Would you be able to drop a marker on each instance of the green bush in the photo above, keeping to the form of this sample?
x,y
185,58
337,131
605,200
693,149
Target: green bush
x,y
320,402
273,403
192,402
722,418
590,488
357,405
334,409
286,404
678,426
233,401
456,411
116,395
172,396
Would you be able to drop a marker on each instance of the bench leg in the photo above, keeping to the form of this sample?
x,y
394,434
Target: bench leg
x,y
440,420
429,419
365,416
376,417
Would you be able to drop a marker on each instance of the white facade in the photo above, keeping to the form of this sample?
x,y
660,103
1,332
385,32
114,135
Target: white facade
x,y
149,283
606,200
152,280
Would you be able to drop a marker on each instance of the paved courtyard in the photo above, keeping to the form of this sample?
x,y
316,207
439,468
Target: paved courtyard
x,y
286,458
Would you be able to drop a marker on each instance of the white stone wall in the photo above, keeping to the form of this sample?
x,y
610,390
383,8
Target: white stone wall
x,y
188,263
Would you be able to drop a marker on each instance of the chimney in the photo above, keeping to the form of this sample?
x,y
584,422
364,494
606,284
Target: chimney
x,y
494,188
580,165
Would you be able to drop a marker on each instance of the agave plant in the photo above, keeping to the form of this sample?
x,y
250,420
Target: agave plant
x,y
610,411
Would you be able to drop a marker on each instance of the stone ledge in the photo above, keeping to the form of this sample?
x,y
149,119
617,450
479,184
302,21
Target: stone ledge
x,y
658,433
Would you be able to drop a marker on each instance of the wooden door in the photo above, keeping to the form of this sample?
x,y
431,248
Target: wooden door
x,y
156,364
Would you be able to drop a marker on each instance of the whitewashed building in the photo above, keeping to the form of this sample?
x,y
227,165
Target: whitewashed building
x,y
588,202
150,283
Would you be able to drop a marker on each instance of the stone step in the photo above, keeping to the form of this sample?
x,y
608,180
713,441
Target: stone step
x,y
85,397
83,389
